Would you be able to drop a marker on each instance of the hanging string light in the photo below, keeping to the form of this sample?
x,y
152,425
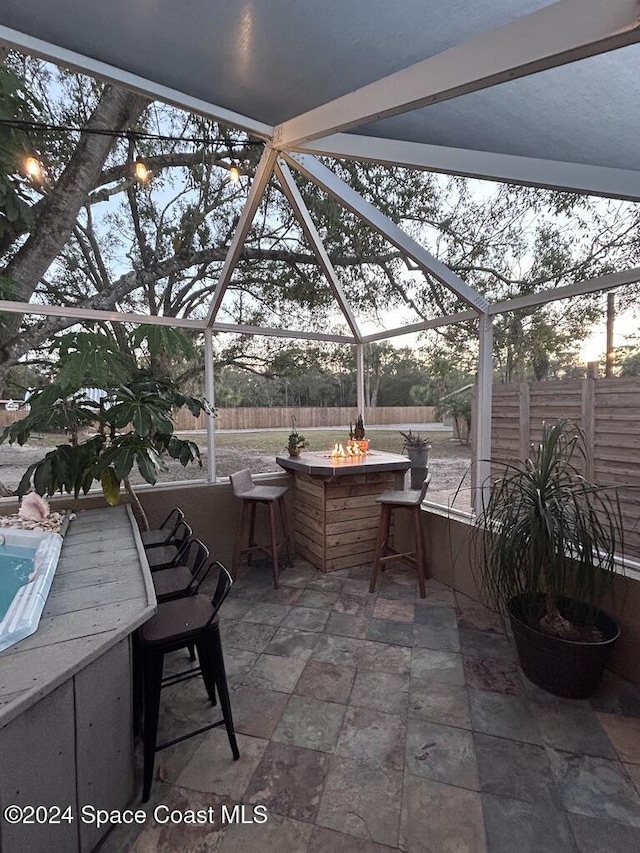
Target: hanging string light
x,y
140,171
33,169
22,124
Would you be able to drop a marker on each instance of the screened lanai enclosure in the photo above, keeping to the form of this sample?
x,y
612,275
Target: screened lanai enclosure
x,y
533,93
368,718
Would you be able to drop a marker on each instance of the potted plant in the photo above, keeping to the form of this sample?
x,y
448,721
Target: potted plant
x,y
547,541
296,441
417,449
357,434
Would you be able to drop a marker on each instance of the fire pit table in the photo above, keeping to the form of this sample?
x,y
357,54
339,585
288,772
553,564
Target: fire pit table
x,y
336,514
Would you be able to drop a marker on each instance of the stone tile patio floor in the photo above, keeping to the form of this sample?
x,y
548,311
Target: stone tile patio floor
x,y
376,723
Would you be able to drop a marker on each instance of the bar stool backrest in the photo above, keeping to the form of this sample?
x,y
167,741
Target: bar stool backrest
x,y
225,582
242,482
425,486
171,522
183,532
181,540
194,555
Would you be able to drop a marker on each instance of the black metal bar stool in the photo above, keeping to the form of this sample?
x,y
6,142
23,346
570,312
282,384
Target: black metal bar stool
x,y
176,625
166,556
252,495
389,501
186,578
164,534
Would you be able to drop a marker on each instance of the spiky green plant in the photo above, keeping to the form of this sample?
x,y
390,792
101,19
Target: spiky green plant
x,y
550,535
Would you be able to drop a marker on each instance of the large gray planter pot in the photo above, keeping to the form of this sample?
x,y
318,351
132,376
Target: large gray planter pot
x,y
419,457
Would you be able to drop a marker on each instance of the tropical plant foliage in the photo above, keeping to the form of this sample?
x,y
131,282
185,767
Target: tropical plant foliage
x,y
547,531
132,422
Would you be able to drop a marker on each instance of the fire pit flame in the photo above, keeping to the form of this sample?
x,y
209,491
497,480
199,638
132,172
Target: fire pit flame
x,y
351,451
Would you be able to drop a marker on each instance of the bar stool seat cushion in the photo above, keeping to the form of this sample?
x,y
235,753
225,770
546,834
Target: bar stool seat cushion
x,y
178,618
153,537
410,497
168,581
162,556
164,534
263,493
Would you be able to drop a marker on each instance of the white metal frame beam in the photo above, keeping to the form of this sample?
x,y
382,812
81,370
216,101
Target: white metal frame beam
x,y
210,396
353,201
360,396
102,316
39,310
528,171
282,333
304,218
578,288
258,186
448,320
103,71
484,393
562,32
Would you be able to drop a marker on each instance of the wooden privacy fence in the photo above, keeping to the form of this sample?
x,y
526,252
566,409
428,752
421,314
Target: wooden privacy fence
x,y
608,410
264,418
280,418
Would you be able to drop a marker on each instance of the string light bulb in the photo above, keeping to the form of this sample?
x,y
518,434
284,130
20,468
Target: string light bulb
x,y
33,169
140,171
234,174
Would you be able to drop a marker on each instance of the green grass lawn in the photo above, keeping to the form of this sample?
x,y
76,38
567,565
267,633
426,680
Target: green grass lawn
x,y
389,441
275,442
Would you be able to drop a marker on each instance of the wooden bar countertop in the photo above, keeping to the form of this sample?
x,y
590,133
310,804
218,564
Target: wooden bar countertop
x,y
101,592
321,463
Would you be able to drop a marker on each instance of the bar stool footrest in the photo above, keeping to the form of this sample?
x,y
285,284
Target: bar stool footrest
x,y
398,555
179,677
190,734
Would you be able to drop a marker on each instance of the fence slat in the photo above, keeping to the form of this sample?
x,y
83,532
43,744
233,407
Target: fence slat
x,y
280,418
608,411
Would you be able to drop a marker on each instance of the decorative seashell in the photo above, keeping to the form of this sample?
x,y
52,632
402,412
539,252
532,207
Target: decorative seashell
x,y
34,508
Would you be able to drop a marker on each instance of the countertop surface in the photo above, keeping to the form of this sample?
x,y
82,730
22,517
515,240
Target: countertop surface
x,y
101,592
321,464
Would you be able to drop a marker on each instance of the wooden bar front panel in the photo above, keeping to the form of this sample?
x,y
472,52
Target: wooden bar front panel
x,y
337,518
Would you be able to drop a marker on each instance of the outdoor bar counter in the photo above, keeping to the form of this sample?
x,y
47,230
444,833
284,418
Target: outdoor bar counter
x,y
336,514
66,691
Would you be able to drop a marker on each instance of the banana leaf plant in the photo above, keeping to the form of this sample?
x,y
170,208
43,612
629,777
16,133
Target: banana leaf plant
x,y
132,423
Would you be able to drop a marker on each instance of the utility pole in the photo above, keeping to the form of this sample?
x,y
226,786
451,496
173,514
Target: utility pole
x,y
611,313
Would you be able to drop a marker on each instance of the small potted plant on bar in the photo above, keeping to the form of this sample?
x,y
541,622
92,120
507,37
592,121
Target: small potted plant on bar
x,y
297,441
357,434
547,543
417,449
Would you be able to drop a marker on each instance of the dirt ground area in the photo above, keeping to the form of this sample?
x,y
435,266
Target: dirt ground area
x,y
448,473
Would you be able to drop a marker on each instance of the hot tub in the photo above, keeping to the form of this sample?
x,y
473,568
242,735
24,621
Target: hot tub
x,y
28,561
